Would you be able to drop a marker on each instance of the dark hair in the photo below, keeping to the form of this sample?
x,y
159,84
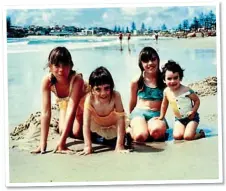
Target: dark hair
x,y
172,66
146,54
59,54
101,76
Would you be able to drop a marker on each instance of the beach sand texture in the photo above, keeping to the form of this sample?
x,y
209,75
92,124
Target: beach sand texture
x,y
164,161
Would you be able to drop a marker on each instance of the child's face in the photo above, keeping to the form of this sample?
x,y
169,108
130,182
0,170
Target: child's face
x,y
102,92
150,66
172,80
60,70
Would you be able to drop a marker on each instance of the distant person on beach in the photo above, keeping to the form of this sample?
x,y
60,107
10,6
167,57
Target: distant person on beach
x,y
146,94
68,87
129,37
156,37
184,102
120,39
104,115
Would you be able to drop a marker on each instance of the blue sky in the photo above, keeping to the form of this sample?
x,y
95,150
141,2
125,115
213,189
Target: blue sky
x,y
153,17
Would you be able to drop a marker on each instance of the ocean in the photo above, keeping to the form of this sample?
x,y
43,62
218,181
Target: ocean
x,y
27,58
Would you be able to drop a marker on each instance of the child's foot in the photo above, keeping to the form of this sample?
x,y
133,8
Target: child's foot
x,y
202,134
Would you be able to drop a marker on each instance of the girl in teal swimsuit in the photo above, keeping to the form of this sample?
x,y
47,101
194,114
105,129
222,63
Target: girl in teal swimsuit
x,y
146,94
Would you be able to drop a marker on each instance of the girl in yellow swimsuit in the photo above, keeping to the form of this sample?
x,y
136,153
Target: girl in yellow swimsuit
x,y
103,111
69,88
184,102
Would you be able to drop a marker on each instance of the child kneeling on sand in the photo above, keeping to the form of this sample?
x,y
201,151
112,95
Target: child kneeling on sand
x,y
184,102
104,115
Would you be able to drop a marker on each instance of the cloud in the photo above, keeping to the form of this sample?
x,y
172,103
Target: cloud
x,y
131,11
105,16
43,17
108,17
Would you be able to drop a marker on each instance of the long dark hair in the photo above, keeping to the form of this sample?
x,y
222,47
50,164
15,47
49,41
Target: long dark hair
x,y
146,54
62,55
101,76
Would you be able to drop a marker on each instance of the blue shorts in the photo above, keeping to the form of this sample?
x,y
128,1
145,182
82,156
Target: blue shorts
x,y
145,113
186,120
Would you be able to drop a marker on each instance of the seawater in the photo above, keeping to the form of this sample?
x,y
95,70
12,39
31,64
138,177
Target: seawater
x,y
27,58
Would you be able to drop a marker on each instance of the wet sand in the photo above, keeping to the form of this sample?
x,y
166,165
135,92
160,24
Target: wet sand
x,y
157,161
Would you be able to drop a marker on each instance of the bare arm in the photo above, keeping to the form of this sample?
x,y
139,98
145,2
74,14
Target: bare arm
x,y
133,95
45,114
73,103
196,101
86,127
120,122
164,106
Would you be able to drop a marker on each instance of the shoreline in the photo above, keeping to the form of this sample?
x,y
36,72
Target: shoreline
x,y
197,42
160,160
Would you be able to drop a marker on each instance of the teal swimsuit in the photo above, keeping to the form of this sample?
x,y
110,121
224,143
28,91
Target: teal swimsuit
x,y
152,94
147,93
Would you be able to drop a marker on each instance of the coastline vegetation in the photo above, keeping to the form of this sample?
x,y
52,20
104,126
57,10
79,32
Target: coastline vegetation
x,y
205,25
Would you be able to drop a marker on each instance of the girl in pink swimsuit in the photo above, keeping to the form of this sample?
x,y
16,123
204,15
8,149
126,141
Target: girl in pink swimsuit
x,y
103,111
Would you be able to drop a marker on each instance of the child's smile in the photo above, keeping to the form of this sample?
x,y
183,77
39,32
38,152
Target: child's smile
x,y
102,92
172,80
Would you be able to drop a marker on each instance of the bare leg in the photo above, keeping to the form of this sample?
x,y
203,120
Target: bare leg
x,y
139,129
178,131
157,129
77,127
190,131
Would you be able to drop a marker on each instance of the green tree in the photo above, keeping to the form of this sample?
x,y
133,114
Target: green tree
x,y
127,29
179,27
142,27
163,27
202,19
8,22
195,23
185,24
133,26
115,29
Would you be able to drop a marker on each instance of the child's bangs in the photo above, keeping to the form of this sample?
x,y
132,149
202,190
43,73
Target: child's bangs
x,y
60,57
101,80
147,56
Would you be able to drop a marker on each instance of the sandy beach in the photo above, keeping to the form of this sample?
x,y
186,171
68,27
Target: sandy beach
x,y
154,161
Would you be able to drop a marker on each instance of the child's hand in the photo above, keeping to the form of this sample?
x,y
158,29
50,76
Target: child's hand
x,y
190,115
86,151
157,118
121,149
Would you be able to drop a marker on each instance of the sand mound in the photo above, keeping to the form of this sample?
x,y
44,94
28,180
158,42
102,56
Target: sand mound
x,y
30,131
205,87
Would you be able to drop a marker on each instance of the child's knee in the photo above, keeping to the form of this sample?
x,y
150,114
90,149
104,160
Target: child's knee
x,y
178,136
141,137
77,132
189,137
157,134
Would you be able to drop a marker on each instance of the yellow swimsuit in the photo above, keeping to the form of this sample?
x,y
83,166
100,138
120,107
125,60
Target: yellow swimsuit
x,y
63,102
104,126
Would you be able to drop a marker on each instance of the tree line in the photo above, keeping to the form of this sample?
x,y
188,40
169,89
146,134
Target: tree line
x,y
206,21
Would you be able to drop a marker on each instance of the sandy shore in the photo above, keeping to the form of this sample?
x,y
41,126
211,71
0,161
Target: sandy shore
x,y
163,161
